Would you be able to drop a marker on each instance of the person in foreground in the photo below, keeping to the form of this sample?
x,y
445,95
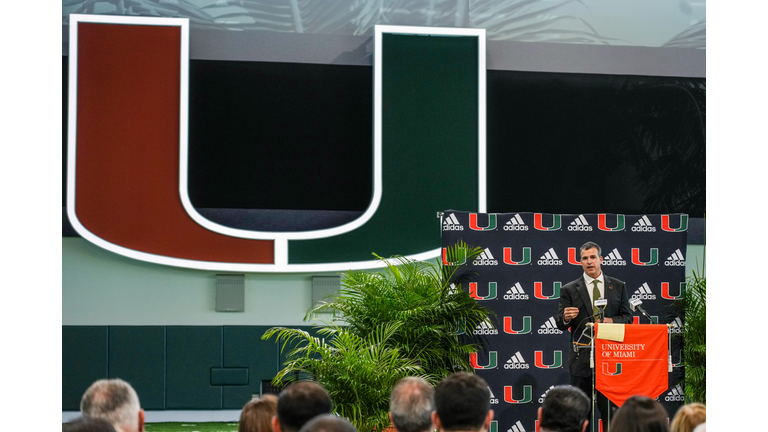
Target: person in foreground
x,y
577,308
299,403
115,401
256,415
688,417
328,423
89,424
565,409
640,414
462,404
411,404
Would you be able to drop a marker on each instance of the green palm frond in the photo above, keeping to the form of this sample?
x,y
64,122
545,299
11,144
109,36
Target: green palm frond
x,y
694,351
401,321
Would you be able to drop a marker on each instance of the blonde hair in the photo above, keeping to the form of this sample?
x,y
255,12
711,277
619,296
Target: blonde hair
x,y
688,417
257,414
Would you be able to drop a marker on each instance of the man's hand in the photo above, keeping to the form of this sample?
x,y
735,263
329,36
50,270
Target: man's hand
x,y
570,313
607,320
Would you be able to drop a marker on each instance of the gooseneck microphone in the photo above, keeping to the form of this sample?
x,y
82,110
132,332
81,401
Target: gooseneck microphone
x,y
600,304
635,303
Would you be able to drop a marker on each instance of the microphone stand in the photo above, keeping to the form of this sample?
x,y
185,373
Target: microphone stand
x,y
644,313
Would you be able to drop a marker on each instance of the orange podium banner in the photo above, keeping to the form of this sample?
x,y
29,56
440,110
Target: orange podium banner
x,y
634,360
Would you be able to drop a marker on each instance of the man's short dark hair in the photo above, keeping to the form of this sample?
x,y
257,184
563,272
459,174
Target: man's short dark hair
x,y
564,409
328,423
462,401
89,424
299,403
590,245
411,404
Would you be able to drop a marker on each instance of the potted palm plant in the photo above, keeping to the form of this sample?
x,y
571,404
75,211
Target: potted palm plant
x,y
694,350
402,321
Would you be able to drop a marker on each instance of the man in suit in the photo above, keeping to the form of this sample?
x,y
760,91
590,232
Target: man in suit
x,y
577,309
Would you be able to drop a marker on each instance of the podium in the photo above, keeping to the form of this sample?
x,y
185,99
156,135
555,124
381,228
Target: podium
x,y
628,360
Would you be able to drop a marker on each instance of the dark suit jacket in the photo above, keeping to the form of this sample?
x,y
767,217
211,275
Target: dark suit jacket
x,y
575,294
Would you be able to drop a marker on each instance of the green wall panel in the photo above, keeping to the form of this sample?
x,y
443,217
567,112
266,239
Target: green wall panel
x,y
243,348
137,355
83,361
191,352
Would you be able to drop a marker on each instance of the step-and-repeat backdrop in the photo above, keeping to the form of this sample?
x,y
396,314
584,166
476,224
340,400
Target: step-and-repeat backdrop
x,y
526,259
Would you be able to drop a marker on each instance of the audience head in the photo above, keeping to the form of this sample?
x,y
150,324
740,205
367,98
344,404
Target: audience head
x,y
257,414
328,423
299,403
115,401
688,417
640,414
565,409
411,404
89,424
462,403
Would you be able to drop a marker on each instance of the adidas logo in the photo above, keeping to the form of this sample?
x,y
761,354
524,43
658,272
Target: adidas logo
x,y
579,224
452,224
644,293
549,327
676,394
516,293
516,224
485,258
494,399
677,326
516,362
550,258
643,225
485,328
614,259
544,395
675,260
517,427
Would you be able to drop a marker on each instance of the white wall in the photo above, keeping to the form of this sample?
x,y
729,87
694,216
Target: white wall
x,y
102,288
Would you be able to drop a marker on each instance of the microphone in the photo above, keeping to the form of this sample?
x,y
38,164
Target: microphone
x,y
635,303
600,304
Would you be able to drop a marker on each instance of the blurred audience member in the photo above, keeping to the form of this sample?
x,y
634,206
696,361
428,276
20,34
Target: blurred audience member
x,y
86,424
411,404
257,414
565,409
462,403
115,401
688,417
328,423
640,414
299,403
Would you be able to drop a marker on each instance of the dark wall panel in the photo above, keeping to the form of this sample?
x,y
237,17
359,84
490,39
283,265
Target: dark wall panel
x,y
243,348
191,353
83,361
137,355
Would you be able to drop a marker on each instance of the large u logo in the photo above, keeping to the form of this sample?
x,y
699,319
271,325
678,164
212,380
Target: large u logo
x,y
127,161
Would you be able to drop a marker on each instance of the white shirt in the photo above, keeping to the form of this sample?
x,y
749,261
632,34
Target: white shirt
x,y
590,287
